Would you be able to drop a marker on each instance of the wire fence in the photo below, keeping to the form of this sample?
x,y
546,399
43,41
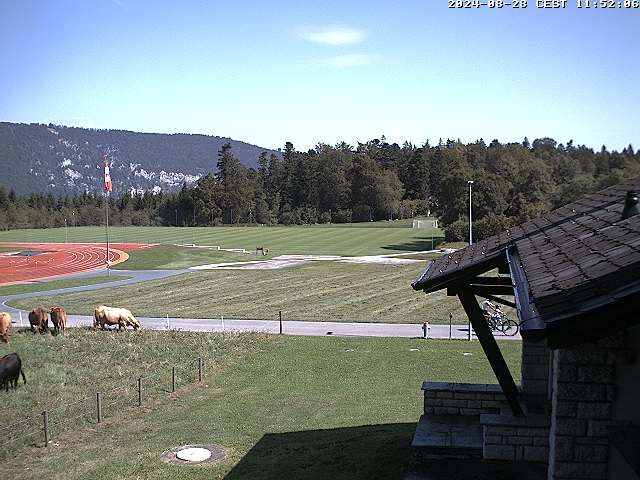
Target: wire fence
x,y
98,406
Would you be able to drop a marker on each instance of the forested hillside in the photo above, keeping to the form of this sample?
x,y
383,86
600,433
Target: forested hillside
x,y
68,160
375,180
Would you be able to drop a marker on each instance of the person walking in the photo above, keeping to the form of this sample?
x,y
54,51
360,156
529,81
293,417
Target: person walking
x,y
426,329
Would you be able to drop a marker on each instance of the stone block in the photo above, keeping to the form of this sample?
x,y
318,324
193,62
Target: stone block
x,y
429,394
598,428
470,411
493,439
446,411
592,441
563,449
498,452
582,356
518,440
541,441
567,373
591,453
428,410
491,430
474,404
465,396
535,372
444,394
599,374
533,432
536,454
590,392
571,426
491,404
594,410
593,471
566,409
535,387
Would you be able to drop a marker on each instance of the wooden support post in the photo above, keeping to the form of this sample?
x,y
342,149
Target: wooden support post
x,y
45,417
491,349
173,379
99,406
199,369
450,322
139,391
280,315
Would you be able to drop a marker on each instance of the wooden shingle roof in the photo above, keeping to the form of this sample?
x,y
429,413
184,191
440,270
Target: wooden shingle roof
x,y
577,258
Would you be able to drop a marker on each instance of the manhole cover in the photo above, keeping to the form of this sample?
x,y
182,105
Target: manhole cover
x,y
193,454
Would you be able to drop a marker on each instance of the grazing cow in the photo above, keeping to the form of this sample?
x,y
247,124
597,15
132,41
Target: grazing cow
x,y
39,320
115,316
5,326
10,370
58,319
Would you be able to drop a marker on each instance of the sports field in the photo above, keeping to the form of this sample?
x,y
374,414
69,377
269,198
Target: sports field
x,y
316,291
355,239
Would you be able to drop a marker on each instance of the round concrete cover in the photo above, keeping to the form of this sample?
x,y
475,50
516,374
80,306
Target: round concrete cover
x,y
193,454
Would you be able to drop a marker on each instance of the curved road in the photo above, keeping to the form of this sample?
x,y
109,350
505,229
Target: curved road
x,y
289,327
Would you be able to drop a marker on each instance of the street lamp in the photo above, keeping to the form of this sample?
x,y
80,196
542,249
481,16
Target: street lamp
x,y
66,237
470,182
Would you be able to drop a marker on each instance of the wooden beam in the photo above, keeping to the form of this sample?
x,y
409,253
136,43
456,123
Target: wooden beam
x,y
491,281
491,350
500,300
483,290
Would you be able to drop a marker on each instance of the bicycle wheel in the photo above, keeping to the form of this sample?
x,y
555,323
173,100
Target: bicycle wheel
x,y
509,327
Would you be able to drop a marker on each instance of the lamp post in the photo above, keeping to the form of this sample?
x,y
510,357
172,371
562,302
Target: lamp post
x,y
66,236
470,183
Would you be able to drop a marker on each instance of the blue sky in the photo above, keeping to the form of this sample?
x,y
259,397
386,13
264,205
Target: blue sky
x,y
307,72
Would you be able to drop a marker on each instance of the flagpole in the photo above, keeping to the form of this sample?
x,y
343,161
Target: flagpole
x,y
107,190
106,208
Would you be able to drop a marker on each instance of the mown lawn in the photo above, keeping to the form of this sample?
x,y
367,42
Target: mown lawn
x,y
321,291
172,257
374,239
282,407
57,284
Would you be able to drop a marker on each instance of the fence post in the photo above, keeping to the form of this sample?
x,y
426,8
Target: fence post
x,y
99,406
280,314
45,416
199,369
173,379
139,391
450,321
469,331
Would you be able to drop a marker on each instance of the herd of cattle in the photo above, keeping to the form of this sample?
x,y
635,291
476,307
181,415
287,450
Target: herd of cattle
x,y
11,364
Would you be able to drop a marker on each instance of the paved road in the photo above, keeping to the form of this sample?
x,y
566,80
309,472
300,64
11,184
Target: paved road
x,y
289,327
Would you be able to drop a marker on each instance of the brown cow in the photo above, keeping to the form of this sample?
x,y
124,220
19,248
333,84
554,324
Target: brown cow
x,y
39,320
58,319
115,316
5,326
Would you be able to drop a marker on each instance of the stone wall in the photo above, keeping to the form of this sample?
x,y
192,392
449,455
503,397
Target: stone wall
x,y
525,438
535,368
583,392
443,398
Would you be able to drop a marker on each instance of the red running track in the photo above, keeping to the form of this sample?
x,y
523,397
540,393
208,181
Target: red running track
x,y
59,259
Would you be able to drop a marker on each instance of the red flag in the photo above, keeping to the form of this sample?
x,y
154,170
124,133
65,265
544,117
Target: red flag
x,y
107,176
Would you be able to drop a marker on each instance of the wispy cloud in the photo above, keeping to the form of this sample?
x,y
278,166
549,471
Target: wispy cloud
x,y
333,35
349,60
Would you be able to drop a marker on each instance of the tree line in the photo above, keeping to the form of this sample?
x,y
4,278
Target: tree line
x,y
375,180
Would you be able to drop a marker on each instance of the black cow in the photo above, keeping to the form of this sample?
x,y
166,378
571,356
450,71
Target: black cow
x,y
10,370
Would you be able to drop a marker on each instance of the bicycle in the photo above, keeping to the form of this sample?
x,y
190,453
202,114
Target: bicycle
x,y
498,321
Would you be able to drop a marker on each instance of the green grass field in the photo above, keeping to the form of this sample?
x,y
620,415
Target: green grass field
x,y
282,407
315,240
57,284
321,291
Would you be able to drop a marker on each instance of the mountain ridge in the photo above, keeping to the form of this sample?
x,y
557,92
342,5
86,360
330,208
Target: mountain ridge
x,y
65,160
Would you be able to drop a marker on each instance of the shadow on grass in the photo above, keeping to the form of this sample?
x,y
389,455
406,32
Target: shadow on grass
x,y
366,452
417,244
